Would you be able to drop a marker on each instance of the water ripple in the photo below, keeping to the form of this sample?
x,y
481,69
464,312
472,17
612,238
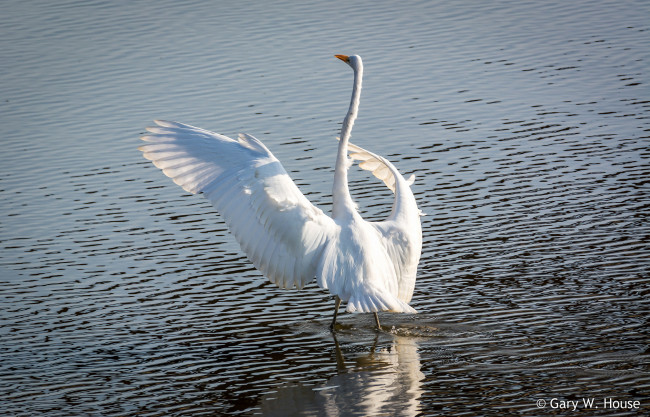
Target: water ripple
x,y
526,126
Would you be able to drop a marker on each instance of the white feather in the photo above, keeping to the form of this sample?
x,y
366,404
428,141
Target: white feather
x,y
372,266
251,190
375,164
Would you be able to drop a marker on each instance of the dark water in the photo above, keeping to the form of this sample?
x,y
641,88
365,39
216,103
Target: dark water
x,y
526,124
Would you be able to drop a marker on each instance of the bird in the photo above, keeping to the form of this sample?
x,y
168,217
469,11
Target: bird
x,y
371,266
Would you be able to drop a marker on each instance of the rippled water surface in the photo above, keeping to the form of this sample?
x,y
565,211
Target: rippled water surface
x,y
526,124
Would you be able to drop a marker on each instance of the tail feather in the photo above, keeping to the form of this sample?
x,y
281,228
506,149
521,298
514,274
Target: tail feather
x,y
367,303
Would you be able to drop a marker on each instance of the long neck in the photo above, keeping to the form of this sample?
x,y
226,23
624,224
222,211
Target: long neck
x,y
342,204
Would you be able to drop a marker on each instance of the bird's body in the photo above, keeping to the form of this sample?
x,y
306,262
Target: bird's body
x,y
370,265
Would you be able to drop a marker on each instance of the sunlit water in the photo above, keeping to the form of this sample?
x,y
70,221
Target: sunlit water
x,y
526,124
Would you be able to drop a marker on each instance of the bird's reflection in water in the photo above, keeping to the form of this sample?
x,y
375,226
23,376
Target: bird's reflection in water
x,y
385,382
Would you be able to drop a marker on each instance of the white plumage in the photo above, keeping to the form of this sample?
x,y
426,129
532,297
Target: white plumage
x,y
370,265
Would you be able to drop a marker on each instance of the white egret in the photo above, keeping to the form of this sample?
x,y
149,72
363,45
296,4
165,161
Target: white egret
x,y
370,265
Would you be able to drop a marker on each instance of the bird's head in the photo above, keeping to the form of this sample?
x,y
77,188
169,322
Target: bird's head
x,y
353,60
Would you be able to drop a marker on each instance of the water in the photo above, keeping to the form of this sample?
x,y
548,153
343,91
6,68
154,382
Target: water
x,y
525,123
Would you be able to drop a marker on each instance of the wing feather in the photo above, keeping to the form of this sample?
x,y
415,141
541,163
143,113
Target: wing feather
x,y
401,232
376,165
282,233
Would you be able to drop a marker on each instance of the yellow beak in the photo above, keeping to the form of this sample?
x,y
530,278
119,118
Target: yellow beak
x,y
343,58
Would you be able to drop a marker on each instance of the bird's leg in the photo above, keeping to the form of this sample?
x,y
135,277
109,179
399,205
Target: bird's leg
x,y
340,360
336,312
377,321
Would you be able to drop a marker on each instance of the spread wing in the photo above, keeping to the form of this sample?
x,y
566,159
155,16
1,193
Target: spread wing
x,y
402,230
282,233
375,164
